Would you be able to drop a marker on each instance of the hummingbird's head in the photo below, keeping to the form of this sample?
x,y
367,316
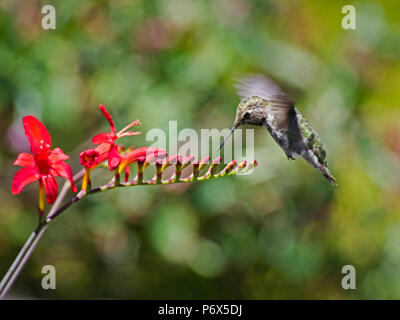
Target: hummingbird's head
x,y
251,110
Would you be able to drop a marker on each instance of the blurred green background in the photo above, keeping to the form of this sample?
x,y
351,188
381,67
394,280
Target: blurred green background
x,y
283,232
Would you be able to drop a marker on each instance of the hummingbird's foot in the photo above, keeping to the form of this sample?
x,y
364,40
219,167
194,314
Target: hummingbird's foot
x,y
290,157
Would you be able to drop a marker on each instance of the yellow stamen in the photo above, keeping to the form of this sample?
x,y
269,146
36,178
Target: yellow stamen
x,y
86,179
121,167
42,195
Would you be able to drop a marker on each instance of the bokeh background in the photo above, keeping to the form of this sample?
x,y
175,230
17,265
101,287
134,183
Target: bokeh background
x,y
283,232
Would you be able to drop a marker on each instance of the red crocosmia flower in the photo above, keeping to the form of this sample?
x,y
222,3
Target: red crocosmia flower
x,y
114,157
89,158
93,157
44,165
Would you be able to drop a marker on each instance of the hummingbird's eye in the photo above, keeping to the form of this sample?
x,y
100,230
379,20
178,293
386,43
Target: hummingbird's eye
x,y
246,115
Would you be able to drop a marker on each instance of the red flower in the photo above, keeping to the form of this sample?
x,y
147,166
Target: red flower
x,y
92,157
108,149
44,165
89,158
108,139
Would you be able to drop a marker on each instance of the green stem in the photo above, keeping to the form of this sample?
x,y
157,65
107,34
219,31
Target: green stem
x,y
20,260
31,243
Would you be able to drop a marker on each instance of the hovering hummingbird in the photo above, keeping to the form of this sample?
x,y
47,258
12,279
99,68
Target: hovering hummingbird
x,y
265,104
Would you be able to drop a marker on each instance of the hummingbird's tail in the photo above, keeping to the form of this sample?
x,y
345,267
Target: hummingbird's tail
x,y
323,168
328,175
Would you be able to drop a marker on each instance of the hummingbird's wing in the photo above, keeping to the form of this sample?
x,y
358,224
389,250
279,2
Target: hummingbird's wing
x,y
281,107
261,86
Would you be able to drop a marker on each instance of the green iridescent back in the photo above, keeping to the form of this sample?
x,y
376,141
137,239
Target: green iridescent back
x,y
312,137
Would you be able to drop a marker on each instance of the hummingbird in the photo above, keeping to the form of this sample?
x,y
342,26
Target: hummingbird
x,y
265,104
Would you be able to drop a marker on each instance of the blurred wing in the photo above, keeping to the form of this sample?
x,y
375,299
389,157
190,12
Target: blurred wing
x,y
258,85
262,87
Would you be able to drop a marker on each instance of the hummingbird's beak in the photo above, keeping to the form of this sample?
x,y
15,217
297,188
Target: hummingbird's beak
x,y
226,138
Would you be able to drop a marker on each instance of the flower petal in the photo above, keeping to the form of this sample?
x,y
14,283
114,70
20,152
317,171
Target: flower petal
x,y
37,134
109,119
114,158
103,150
148,152
127,173
25,160
89,158
22,178
62,169
103,138
57,155
51,187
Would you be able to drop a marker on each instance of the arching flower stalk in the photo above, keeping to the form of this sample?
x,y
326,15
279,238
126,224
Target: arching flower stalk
x,y
228,170
44,164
